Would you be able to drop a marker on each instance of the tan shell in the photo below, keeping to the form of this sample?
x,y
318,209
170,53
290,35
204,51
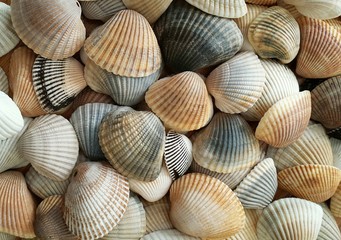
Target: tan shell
x,y
262,2
335,203
336,148
3,81
101,9
169,234
249,232
5,236
329,228
291,8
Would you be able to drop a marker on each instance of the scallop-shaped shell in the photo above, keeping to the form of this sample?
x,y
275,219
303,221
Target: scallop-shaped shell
x,y
285,121
227,144
96,200
262,2
329,229
53,30
182,101
291,8
320,49
336,149
44,187
191,36
5,62
335,203
280,83
238,83
168,234
50,144
3,81
49,222
17,205
11,121
205,207
249,231
221,8
290,218
313,147
326,103
133,142
275,34
258,188
101,9
126,91
5,236
316,183
86,121
125,45
154,190
8,37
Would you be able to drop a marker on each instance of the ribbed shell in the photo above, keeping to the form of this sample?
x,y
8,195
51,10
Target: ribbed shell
x,y
291,8
52,29
249,232
44,187
290,218
313,147
125,45
50,144
3,81
182,101
336,149
204,39
329,228
17,205
258,188
169,234
101,9
96,200
238,83
133,142
8,37
335,203
275,34
320,49
226,145
316,183
262,2
285,121
5,236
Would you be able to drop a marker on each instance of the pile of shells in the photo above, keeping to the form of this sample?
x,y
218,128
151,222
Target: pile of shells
x,y
170,119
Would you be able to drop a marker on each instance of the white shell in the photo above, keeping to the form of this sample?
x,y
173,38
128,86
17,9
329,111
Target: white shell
x,y
3,81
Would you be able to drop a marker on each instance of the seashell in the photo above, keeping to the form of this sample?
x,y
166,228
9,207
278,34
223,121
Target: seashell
x,y
58,33
178,154
122,52
282,43
313,147
50,145
227,144
168,234
238,83
262,2
15,195
126,91
101,9
49,222
173,98
336,148
335,203
258,188
329,228
280,83
57,83
101,187
8,38
249,231
290,218
154,190
336,23
11,121
44,187
203,206
320,49
326,102
86,121
133,142
191,35
4,62
3,81
285,121
221,8
316,183
4,236
291,8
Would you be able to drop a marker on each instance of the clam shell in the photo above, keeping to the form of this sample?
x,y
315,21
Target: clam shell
x,y
3,81
291,8
15,195
168,234
290,218
336,148
101,9
50,144
4,62
282,43
115,48
258,188
173,98
191,35
238,83
335,203
329,228
4,236
249,232
203,206
285,121
95,200
133,142
316,183
58,33
227,144
262,2
320,49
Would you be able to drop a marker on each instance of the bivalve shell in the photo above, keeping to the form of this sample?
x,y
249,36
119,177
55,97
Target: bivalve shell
x,y
335,203
101,9
3,81
169,234
336,148
5,236
329,228
249,231
262,2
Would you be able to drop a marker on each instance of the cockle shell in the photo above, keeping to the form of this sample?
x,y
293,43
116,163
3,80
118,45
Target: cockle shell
x,y
168,234
203,206
95,200
8,37
3,81
5,236
249,231
329,229
58,33
101,9
336,148
182,101
291,8
262,2
335,203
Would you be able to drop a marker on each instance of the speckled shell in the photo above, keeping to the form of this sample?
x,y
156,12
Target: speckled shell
x,y
336,148
101,9
329,228
3,81
8,37
58,33
169,234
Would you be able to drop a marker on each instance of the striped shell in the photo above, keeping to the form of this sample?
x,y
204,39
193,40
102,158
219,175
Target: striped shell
x,y
336,148
249,231
169,234
262,2
291,8
3,81
335,203
101,9
329,228
8,37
